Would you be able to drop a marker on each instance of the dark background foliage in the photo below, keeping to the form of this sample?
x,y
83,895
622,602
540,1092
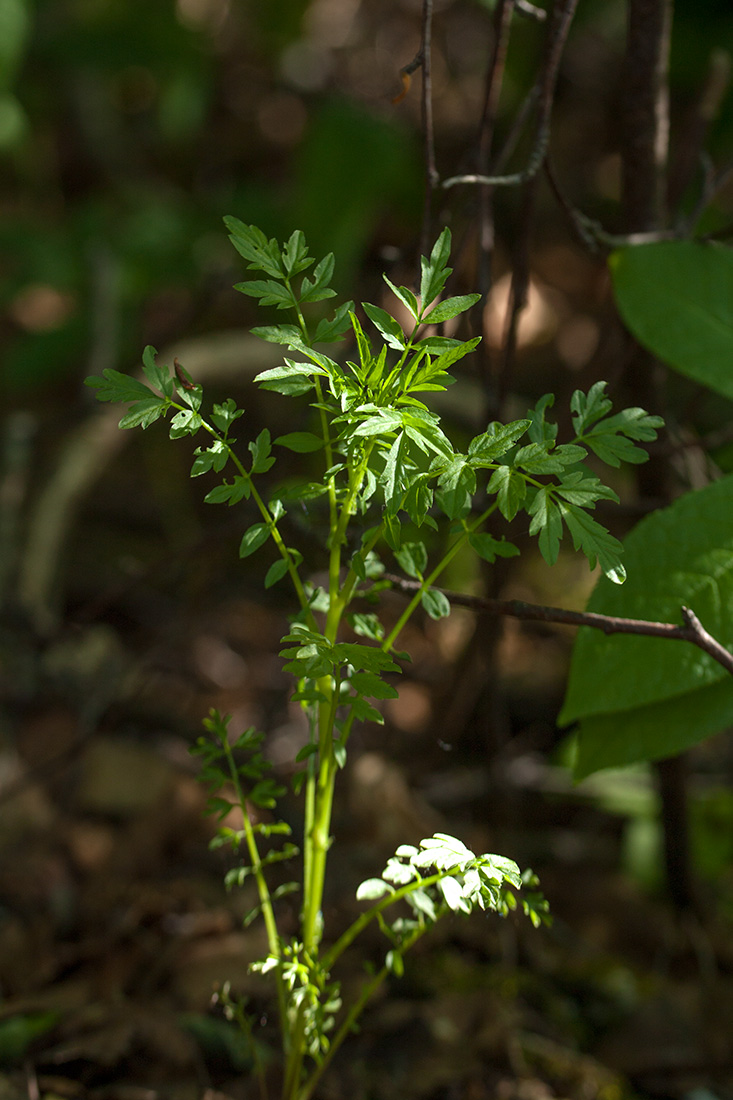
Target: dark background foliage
x,y
127,131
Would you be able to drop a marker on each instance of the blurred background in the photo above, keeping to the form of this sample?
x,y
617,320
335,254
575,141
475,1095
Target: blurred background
x,y
128,130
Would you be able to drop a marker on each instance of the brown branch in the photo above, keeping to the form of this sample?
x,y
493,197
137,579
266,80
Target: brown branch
x,y
557,33
692,629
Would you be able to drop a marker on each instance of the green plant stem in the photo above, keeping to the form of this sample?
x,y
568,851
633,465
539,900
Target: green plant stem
x,y
347,1025
265,513
347,938
273,939
428,581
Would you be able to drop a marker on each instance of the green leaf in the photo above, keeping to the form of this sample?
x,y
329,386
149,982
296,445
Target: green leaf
x,y
451,307
595,542
678,556
300,442
587,409
227,493
489,548
276,572
295,256
541,431
434,270
269,293
290,335
677,299
390,329
495,441
157,376
252,243
435,603
319,289
144,413
329,331
366,624
536,458
115,386
185,422
253,539
547,520
372,889
510,488
611,439
372,686
413,558
260,448
655,731
406,296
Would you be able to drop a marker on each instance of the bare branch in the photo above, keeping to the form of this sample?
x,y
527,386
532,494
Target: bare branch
x,y
692,631
557,33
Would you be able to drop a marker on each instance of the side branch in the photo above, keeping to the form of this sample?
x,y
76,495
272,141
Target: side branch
x,y
692,629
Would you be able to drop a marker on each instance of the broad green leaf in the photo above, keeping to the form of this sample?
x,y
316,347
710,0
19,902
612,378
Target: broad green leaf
x,y
536,458
678,556
366,624
295,254
541,431
676,297
655,731
156,376
435,603
300,442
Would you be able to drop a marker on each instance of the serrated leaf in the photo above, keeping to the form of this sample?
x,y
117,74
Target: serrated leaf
x,y
290,335
295,256
406,296
143,413
269,293
252,243
489,548
547,521
372,686
328,332
495,441
541,430
590,407
115,386
434,270
510,488
595,542
451,307
390,329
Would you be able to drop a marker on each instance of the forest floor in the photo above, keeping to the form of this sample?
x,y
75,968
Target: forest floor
x,y
116,931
